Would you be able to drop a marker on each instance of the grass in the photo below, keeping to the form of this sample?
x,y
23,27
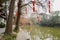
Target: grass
x,y
44,31
9,37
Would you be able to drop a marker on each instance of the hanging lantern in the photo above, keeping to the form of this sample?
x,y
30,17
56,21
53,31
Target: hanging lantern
x,y
49,6
38,19
16,14
26,11
34,9
33,3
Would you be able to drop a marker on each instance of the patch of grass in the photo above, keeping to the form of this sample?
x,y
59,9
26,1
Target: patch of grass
x,y
16,30
56,32
44,31
9,37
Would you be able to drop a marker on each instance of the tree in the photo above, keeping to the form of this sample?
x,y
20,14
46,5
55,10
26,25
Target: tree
x,y
10,17
18,17
19,13
19,10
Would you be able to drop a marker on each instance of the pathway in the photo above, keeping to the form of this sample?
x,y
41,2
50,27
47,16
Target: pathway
x,y
23,35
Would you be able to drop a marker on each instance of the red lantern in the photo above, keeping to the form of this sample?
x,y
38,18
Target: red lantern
x,y
34,9
38,19
33,3
16,13
49,6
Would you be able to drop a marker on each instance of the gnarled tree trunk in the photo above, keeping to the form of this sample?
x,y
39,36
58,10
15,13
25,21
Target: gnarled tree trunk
x,y
10,18
18,17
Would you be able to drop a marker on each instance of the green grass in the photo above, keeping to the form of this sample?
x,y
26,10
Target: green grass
x,y
38,30
9,37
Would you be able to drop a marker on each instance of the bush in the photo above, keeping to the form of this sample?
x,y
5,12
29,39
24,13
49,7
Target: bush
x,y
50,23
54,20
2,25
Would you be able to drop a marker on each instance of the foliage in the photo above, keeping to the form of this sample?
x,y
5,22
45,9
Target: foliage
x,y
53,21
2,1
2,25
3,9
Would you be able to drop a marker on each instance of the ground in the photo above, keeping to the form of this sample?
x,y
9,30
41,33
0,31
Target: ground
x,y
23,35
35,32
43,33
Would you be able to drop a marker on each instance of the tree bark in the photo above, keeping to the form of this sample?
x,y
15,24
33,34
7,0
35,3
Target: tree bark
x,y
19,13
10,18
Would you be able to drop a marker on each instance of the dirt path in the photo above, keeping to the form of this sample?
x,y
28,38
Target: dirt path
x,y
23,35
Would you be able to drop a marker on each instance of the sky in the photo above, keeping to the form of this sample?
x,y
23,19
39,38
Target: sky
x,y
56,5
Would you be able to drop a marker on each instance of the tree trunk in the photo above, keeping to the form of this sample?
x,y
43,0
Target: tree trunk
x,y
10,18
18,17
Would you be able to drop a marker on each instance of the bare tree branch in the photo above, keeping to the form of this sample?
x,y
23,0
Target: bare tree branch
x,y
41,4
26,4
37,3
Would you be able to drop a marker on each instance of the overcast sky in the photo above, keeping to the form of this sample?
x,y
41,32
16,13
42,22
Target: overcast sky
x,y
56,5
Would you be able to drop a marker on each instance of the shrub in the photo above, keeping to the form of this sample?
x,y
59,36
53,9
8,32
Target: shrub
x,y
2,25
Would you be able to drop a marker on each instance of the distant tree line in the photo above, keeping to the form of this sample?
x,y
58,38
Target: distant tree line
x,y
53,21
